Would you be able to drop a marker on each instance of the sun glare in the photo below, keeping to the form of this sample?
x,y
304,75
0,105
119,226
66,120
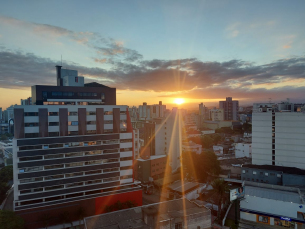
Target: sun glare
x,y
178,101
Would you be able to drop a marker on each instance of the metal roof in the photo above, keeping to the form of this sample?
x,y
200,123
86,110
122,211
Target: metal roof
x,y
273,194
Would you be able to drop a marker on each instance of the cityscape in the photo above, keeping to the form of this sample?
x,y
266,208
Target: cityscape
x,y
140,114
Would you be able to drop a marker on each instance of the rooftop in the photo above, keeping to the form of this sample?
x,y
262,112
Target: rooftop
x,y
133,217
273,194
289,170
181,186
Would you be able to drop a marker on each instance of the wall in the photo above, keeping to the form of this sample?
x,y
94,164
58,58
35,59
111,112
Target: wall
x,y
243,150
102,202
261,175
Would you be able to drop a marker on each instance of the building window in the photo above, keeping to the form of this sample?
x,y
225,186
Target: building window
x,y
73,123
53,134
178,225
72,113
31,124
53,113
254,172
31,114
53,123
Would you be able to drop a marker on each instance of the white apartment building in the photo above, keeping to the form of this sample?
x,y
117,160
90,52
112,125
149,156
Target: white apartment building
x,y
278,135
243,150
217,114
148,112
164,137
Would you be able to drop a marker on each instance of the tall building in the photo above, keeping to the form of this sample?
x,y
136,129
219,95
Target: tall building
x,y
203,111
74,149
217,114
278,135
163,136
27,101
230,108
148,112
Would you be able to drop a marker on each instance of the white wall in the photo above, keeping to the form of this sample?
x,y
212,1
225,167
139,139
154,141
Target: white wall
x,y
243,150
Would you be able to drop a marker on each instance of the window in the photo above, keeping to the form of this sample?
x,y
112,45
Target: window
x,y
108,113
126,158
72,133
178,225
31,114
31,135
91,113
91,132
91,122
30,158
31,124
74,174
74,164
244,171
21,148
54,177
73,123
53,166
53,134
51,156
54,187
72,113
53,113
254,172
53,123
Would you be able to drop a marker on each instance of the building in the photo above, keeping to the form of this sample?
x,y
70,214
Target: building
x,y
203,111
267,204
148,112
217,124
180,188
217,114
191,147
74,153
150,168
278,135
174,214
277,175
230,108
163,136
243,149
8,114
27,101
6,148
136,143
1,114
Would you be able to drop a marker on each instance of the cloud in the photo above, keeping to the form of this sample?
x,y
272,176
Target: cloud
x,y
286,46
104,46
189,78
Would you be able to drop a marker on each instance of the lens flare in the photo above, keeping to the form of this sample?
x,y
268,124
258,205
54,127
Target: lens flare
x,y
178,101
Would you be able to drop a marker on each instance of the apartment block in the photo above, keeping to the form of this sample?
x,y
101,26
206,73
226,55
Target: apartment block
x,y
230,108
72,151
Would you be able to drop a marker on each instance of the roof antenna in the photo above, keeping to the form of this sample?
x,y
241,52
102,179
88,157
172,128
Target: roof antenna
x,y
61,59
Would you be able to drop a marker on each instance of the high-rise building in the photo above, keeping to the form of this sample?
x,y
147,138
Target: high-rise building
x,y
278,134
148,112
230,108
203,111
27,101
163,136
74,149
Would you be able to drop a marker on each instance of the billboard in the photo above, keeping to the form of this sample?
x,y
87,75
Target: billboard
x,y
237,193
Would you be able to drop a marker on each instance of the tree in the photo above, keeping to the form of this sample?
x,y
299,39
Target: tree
x,y
81,213
220,187
200,166
9,220
6,174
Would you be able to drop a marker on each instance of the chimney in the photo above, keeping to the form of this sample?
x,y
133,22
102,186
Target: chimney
x,y
58,75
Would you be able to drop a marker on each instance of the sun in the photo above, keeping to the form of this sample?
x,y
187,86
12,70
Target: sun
x,y
178,101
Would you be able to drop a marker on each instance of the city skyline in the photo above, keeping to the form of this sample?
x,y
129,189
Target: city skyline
x,y
200,51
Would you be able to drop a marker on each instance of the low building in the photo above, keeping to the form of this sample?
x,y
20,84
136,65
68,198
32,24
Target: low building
x,y
217,124
173,214
189,190
277,175
193,134
272,205
153,167
205,131
191,147
243,150
218,150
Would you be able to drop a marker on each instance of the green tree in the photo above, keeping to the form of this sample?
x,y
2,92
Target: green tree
x,y
247,127
220,188
9,220
6,174
200,166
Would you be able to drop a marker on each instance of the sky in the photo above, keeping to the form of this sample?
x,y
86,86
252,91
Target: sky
x,y
151,51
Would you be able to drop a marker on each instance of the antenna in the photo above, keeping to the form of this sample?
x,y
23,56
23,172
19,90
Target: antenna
x,y
61,59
